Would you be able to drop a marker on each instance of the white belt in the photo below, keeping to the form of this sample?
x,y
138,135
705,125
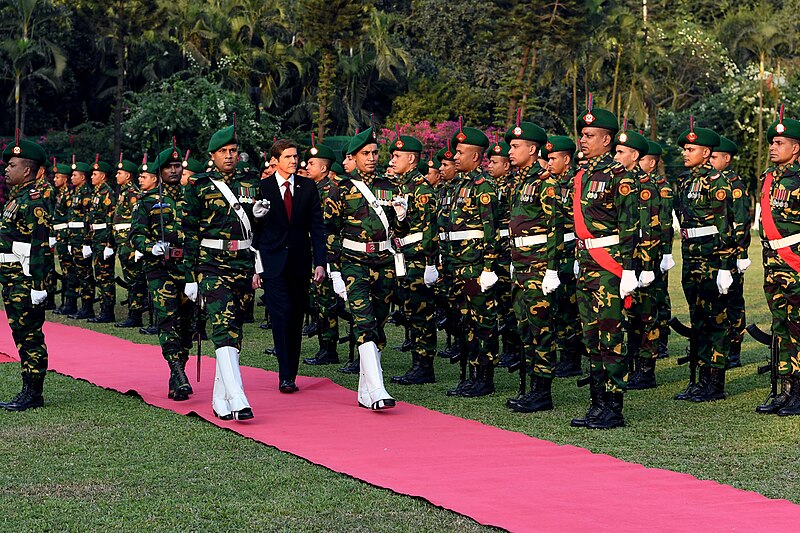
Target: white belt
x,y
368,247
600,242
465,235
505,233
74,225
20,253
120,227
96,227
58,227
693,233
530,240
443,236
785,242
9,258
569,237
409,239
221,244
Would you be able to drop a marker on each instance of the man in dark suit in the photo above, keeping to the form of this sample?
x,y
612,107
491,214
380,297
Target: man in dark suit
x,y
289,234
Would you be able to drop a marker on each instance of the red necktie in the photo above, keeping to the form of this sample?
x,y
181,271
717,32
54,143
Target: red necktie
x,y
287,200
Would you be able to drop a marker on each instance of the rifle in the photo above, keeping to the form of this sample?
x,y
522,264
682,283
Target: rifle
x,y
772,366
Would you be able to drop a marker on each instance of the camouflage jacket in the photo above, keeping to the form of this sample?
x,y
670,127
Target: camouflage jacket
x,y
740,212
610,206
208,215
48,191
326,188
129,194
61,213
444,203
146,223
534,212
26,220
474,209
504,186
421,219
102,212
784,202
566,250
703,200
666,203
648,251
79,202
351,217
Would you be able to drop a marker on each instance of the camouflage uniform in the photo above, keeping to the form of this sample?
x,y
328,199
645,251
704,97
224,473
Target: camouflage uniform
x,y
444,287
740,226
507,322
666,197
79,204
61,233
48,191
101,217
132,272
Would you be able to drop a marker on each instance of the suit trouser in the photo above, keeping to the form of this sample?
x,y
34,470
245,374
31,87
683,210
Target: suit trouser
x,y
287,301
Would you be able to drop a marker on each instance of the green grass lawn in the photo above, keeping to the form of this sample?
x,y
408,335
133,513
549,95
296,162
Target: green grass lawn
x,y
94,459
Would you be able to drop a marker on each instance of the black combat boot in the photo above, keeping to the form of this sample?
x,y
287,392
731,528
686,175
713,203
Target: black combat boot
x,y
152,329
570,363
538,399
780,400
351,367
312,329
69,308
484,384
87,311
31,397
598,403
184,361
735,355
713,387
26,384
610,416
463,385
179,383
694,388
792,405
663,342
645,375
409,373
106,315
327,355
420,373
50,303
134,320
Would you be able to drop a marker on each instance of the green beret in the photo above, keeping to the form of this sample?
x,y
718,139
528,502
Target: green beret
x,y
422,167
634,140
321,151
193,165
787,127
435,163
127,166
243,166
726,145
86,168
700,137
25,150
167,156
406,143
150,167
337,168
470,136
223,137
559,143
598,118
527,131
102,166
445,154
653,148
64,168
499,149
360,141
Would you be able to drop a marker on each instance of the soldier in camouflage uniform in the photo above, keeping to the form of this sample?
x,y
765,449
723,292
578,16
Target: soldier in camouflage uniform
x,y
60,234
24,262
444,286
606,217
363,273
48,190
101,217
420,251
79,204
132,272
536,235
780,227
220,264
708,254
740,226
472,248
642,329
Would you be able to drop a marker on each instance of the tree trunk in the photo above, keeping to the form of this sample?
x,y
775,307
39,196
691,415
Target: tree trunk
x,y
23,105
528,81
324,88
17,90
760,109
118,97
513,101
575,99
616,77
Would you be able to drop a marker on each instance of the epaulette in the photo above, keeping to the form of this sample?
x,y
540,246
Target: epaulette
x,y
35,194
617,168
716,175
480,180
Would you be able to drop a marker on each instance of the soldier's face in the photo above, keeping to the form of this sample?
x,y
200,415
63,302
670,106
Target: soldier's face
x,y
467,157
783,150
626,156
185,176
17,172
448,170
595,141
402,162
367,158
433,176
648,163
557,163
349,164
123,177
147,181
60,180
521,153
98,177
317,168
226,157
287,162
695,155
498,166
720,160
78,178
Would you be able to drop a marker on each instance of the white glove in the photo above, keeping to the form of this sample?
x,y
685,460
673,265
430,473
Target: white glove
x,y
261,208
137,255
576,268
487,280
400,204
742,265
667,262
724,281
38,297
328,269
550,282
160,248
86,251
69,248
511,270
190,290
646,278
52,241
107,252
628,283
431,275
338,285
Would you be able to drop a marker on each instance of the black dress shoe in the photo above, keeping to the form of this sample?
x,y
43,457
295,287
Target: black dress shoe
x,y
287,386
229,416
244,414
269,351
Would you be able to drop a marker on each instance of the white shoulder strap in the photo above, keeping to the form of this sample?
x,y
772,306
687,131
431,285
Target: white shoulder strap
x,y
237,208
376,207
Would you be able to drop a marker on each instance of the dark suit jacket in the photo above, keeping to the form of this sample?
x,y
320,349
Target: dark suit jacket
x,y
285,242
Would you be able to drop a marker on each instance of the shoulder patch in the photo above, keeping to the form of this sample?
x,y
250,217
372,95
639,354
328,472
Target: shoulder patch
x,y
480,180
550,192
624,189
737,193
423,199
645,195
38,212
485,198
720,195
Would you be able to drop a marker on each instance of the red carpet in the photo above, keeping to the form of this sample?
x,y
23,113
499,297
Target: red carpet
x,y
565,488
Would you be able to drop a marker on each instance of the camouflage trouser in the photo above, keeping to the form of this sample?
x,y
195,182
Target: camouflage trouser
x,y
418,308
506,321
133,274
446,296
478,315
223,296
67,277
82,278
782,289
708,313
249,302
642,326
602,318
172,312
328,319
736,312
26,322
660,293
566,318
369,290
104,276
534,314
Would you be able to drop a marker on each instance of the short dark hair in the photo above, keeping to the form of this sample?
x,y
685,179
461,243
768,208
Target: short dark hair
x,y
279,146
31,164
